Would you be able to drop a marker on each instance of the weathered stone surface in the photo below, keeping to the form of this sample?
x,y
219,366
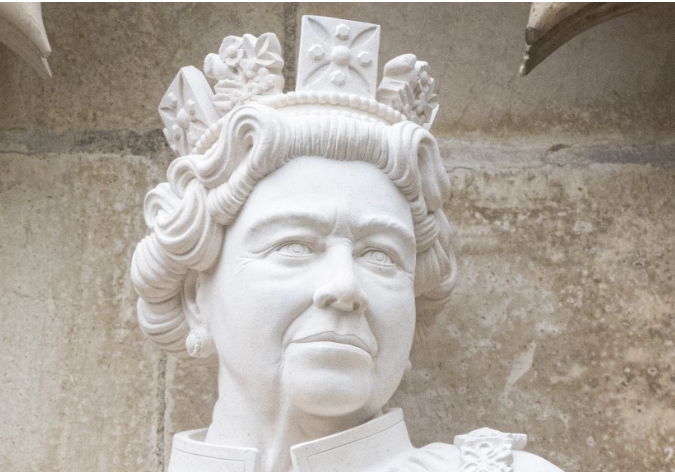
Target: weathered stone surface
x,y
562,320
191,393
79,386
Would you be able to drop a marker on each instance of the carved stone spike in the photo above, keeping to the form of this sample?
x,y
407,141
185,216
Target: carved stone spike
x,y
553,24
338,56
187,110
22,30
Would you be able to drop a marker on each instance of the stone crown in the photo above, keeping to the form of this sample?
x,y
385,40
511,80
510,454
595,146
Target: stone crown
x,y
337,67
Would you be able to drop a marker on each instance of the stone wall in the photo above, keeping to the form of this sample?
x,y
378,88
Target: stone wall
x,y
561,325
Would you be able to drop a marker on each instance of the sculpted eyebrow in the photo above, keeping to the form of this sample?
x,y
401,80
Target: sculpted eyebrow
x,y
305,219
373,225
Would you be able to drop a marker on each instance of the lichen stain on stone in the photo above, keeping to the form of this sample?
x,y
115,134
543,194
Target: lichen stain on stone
x,y
82,360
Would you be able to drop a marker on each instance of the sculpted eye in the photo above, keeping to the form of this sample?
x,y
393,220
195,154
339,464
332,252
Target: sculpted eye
x,y
294,249
378,257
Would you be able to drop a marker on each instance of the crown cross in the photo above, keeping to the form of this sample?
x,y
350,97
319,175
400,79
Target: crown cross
x,y
338,55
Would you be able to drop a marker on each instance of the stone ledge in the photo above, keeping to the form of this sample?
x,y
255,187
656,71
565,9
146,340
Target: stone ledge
x,y
107,142
494,154
486,153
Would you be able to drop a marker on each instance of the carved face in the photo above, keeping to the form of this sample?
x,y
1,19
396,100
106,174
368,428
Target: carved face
x,y
313,294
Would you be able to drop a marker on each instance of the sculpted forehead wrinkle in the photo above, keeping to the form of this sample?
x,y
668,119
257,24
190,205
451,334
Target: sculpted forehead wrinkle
x,y
295,217
319,173
344,198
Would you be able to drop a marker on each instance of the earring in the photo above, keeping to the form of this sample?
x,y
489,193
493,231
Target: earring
x,y
199,343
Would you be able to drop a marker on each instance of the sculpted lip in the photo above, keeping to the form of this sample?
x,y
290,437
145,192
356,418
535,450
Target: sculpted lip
x,y
330,336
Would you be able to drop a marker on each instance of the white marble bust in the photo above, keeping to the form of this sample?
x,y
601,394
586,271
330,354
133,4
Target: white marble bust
x,y
296,239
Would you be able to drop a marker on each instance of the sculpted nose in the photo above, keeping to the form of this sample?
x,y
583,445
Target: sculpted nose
x,y
340,289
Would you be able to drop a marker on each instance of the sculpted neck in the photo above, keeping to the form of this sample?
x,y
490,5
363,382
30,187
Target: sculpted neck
x,y
266,419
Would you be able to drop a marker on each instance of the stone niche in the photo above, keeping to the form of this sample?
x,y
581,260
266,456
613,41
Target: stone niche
x,y
560,324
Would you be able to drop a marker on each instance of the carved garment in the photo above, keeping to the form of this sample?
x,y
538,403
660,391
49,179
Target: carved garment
x,y
380,445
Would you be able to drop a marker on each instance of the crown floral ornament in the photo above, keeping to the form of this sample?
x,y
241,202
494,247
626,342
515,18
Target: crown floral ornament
x,y
245,68
337,66
408,87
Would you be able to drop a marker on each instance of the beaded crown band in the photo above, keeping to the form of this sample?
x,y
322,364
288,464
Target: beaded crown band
x,y
337,68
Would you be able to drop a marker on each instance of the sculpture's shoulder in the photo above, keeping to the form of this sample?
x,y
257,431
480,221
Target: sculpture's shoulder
x,y
439,457
436,457
491,450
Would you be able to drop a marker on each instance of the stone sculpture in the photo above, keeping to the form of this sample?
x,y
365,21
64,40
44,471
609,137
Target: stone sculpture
x,y
296,238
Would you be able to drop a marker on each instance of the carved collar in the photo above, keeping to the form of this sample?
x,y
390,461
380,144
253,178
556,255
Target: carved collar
x,y
377,444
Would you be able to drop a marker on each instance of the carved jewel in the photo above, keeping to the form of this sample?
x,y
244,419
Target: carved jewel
x,y
337,67
187,110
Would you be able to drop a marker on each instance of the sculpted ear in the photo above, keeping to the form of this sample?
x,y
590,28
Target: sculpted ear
x,y
199,342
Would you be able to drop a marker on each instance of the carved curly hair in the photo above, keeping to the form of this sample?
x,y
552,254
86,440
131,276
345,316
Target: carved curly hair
x,y
189,214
